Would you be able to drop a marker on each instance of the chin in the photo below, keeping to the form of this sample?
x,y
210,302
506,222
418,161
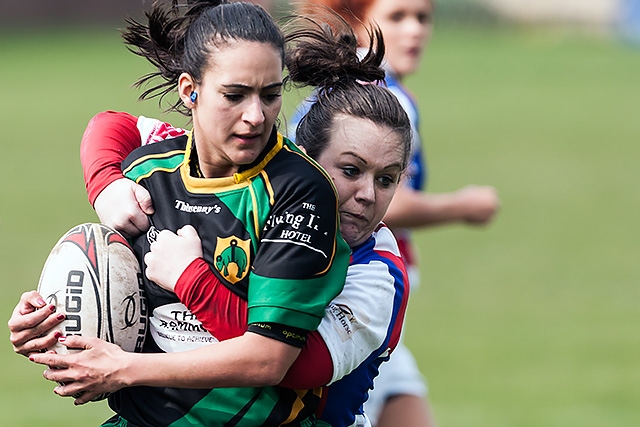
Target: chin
x,y
406,66
246,157
350,237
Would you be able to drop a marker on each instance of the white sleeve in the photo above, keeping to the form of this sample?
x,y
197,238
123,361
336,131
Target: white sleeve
x,y
356,322
154,130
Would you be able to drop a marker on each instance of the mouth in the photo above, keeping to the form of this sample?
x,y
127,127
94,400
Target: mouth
x,y
354,216
414,52
248,138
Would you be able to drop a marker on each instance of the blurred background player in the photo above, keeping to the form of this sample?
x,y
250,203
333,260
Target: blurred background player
x,y
400,394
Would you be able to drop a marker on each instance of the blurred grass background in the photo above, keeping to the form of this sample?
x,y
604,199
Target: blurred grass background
x,y
530,322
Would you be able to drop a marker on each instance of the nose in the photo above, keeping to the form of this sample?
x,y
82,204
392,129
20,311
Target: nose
x,y
254,113
366,191
416,29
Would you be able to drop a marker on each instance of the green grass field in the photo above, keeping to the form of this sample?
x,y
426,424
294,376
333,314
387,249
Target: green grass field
x,y
532,321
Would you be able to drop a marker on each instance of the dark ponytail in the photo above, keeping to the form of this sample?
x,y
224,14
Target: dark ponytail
x,y
322,52
180,38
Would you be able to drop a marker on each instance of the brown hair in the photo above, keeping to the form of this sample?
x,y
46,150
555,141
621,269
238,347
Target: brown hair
x,y
352,11
322,52
179,38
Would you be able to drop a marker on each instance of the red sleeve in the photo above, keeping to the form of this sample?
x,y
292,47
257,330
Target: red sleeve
x,y
313,367
221,312
224,315
109,137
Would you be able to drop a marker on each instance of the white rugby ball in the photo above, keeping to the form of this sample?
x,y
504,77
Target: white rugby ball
x,y
93,276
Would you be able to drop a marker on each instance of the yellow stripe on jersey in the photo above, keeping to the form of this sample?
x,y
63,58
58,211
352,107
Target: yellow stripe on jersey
x,y
250,173
298,405
267,184
254,202
145,166
205,185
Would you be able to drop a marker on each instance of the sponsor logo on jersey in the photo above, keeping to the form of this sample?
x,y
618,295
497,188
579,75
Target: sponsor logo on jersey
x,y
183,206
297,228
344,320
232,258
174,328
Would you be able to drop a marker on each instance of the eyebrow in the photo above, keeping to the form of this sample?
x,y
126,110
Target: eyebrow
x,y
245,87
351,153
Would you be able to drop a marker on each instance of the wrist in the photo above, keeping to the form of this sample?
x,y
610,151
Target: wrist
x,y
131,367
186,279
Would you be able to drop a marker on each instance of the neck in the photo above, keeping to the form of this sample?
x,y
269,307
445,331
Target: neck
x,y
201,168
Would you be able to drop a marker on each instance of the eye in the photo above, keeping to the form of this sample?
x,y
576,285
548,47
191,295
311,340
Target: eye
x,y
233,97
396,17
424,18
387,181
351,171
271,97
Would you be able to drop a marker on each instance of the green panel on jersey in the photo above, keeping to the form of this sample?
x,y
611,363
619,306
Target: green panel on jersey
x,y
240,407
145,166
290,293
258,191
115,422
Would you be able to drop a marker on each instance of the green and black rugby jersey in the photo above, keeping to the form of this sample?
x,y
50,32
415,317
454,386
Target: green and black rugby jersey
x,y
270,233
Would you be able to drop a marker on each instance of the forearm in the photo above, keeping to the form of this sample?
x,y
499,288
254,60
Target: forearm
x,y
223,314
410,208
313,367
231,363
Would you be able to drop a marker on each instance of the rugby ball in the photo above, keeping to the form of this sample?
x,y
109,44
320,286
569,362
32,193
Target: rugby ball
x,y
93,276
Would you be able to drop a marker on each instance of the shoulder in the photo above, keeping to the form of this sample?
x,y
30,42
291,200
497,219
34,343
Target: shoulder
x,y
154,130
166,154
292,170
379,257
381,246
385,240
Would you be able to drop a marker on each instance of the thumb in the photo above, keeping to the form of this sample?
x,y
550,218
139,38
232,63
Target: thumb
x,y
144,199
77,342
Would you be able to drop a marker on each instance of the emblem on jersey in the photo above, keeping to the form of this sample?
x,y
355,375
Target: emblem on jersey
x,y
345,321
152,234
232,258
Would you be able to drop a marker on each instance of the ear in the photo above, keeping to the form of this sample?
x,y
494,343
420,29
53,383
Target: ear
x,y
186,85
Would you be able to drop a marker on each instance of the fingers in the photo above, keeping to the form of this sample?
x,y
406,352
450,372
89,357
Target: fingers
x,y
480,204
29,302
164,237
81,394
27,315
144,199
77,342
37,345
79,374
84,397
130,221
124,206
188,231
58,363
138,225
52,360
32,325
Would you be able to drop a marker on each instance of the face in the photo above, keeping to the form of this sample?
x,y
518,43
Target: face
x,y
406,26
365,162
238,102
